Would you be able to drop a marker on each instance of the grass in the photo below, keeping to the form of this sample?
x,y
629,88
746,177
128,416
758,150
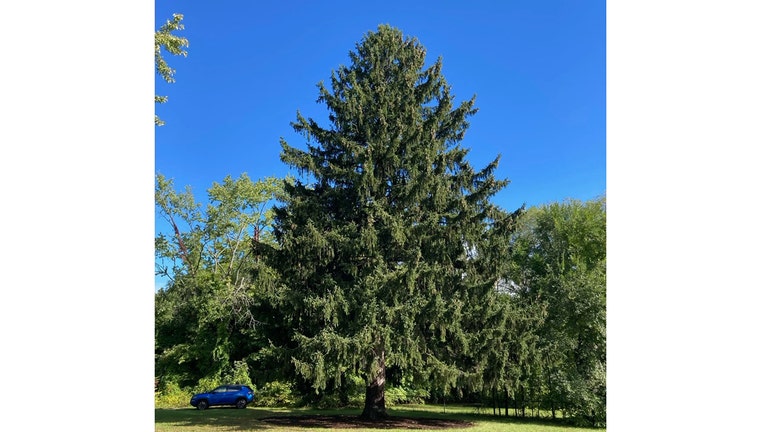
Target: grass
x,y
249,419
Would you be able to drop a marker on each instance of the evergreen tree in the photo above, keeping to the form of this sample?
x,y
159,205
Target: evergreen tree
x,y
387,251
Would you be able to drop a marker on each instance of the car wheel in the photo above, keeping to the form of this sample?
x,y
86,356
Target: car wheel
x,y
202,405
241,403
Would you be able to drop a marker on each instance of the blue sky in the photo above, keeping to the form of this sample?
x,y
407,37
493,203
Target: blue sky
x,y
537,69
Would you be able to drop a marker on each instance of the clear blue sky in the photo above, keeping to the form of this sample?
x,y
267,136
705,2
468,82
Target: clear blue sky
x,y
536,67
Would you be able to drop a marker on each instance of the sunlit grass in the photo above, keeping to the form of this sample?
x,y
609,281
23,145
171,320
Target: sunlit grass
x,y
250,419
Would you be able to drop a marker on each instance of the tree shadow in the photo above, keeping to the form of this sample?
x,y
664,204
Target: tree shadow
x,y
229,417
486,415
342,421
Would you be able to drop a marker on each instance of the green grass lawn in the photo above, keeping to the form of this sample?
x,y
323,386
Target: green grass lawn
x,y
249,419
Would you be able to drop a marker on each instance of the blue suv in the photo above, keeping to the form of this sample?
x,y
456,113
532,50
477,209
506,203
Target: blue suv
x,y
237,395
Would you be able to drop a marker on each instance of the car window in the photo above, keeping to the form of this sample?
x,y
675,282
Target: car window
x,y
220,389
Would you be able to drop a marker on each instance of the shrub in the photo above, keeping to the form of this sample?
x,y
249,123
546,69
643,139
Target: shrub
x,y
171,396
239,374
405,395
275,394
207,383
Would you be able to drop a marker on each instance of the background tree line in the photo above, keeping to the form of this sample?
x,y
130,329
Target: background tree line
x,y
385,273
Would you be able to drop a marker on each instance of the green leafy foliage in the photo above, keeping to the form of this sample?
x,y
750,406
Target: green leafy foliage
x,y
559,265
171,396
166,41
208,320
276,394
239,374
405,395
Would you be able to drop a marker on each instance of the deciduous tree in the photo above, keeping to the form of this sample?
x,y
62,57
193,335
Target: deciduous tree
x,y
165,39
559,263
206,318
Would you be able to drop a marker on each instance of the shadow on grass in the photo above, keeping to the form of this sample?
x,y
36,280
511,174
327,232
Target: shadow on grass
x,y
488,417
229,417
253,418
336,421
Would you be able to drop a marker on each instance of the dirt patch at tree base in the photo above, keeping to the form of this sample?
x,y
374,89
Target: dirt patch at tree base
x,y
354,422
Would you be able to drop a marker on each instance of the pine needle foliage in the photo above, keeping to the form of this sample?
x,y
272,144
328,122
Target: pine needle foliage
x,y
389,245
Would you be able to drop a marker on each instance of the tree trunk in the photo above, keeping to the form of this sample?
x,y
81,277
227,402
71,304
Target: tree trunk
x,y
494,403
506,403
374,407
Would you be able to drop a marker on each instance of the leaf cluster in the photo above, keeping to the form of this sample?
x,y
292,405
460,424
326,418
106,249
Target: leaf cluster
x,y
167,41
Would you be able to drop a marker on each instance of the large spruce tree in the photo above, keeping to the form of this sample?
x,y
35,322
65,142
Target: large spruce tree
x,y
387,247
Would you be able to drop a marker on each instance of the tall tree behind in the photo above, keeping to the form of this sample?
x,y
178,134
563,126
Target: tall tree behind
x,y
164,39
206,317
384,255
559,260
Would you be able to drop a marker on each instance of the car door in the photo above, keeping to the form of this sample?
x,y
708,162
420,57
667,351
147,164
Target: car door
x,y
230,395
217,396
